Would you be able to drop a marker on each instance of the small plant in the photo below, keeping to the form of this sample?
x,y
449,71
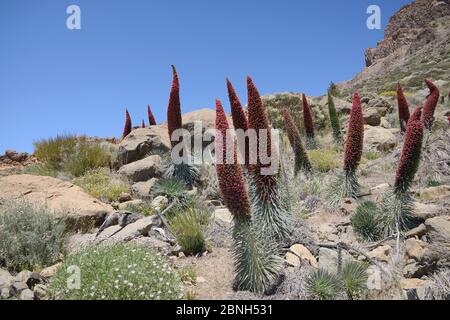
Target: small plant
x,y
430,105
42,169
31,236
334,119
86,156
322,285
354,279
188,227
117,272
188,275
323,160
403,108
173,189
127,126
365,221
151,117
55,150
145,208
308,124
102,184
300,155
371,155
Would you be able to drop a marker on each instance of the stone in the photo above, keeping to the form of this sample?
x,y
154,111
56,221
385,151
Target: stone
x,y
16,156
380,139
142,189
374,278
40,292
223,215
5,293
130,204
50,271
414,289
27,294
328,259
126,217
124,197
416,270
425,211
34,279
133,230
440,225
418,231
5,279
384,123
23,276
140,142
144,169
372,117
62,198
303,252
159,203
381,105
436,193
18,287
381,253
415,249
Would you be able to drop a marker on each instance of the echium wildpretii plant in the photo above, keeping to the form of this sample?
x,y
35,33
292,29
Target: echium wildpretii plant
x,y
403,108
151,117
430,105
269,207
240,122
143,124
308,123
186,171
347,185
256,261
397,204
300,156
334,120
127,127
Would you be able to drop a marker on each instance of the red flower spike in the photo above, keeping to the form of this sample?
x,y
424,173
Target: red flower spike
x,y
258,120
151,118
355,136
231,179
127,127
403,108
410,157
430,105
307,118
143,123
174,121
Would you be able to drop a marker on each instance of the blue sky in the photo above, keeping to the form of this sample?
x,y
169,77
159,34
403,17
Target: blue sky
x,y
54,80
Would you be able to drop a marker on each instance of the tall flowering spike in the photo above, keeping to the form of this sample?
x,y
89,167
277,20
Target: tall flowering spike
x,y
430,105
403,108
307,118
151,117
127,127
410,157
237,112
301,157
334,120
230,176
355,136
258,120
143,123
174,121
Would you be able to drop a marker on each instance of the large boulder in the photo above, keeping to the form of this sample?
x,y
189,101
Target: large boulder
x,y
141,142
378,138
142,189
439,225
205,117
372,117
82,210
144,169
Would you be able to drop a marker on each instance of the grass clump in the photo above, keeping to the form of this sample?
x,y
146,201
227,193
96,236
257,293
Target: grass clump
x,y
54,150
173,189
371,155
188,275
31,236
42,169
102,184
323,285
144,208
88,155
354,279
323,160
117,272
189,226
365,221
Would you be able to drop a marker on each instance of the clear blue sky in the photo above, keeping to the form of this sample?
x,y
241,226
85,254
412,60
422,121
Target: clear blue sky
x,y
54,80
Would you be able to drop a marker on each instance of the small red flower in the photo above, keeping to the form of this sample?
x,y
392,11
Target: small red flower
x,y
410,157
230,176
127,127
430,105
355,136
151,118
403,108
174,121
307,118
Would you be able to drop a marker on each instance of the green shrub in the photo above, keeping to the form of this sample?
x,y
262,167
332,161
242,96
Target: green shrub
x,y
371,155
365,221
102,184
87,155
188,275
354,279
42,169
323,160
55,150
322,285
30,236
117,272
171,188
189,226
144,208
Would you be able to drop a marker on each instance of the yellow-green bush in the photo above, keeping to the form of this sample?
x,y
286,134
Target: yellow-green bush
x,y
323,160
